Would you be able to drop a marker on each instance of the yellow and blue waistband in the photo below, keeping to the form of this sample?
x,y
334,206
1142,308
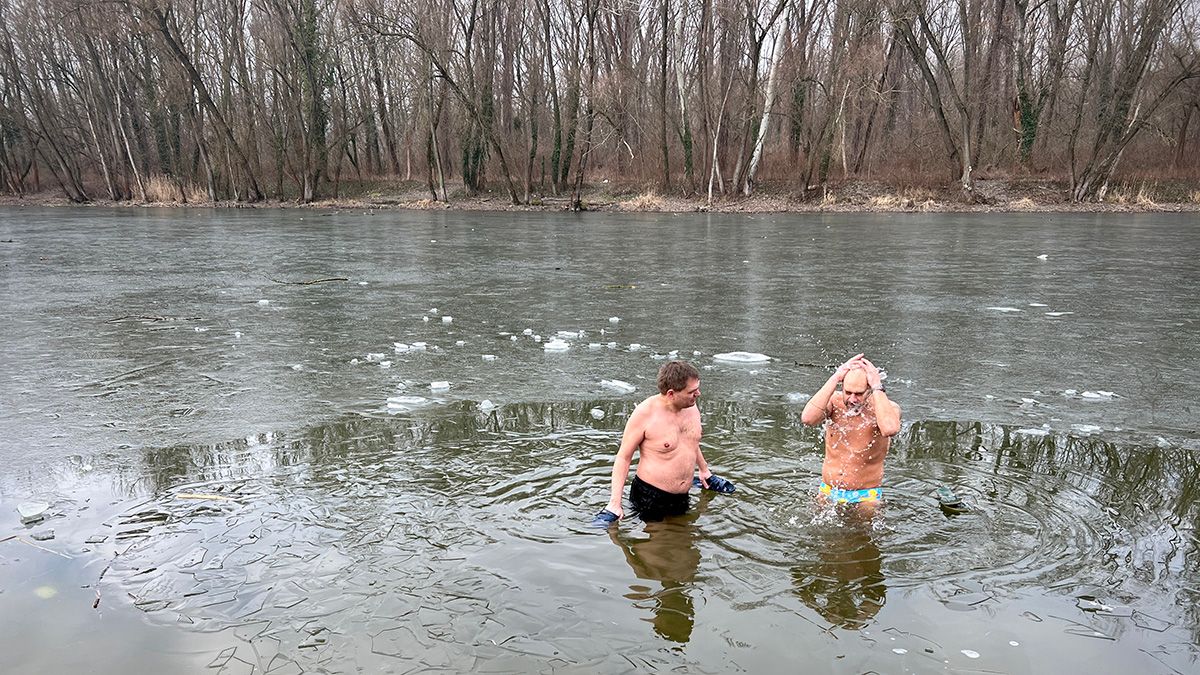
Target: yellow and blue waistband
x,y
840,496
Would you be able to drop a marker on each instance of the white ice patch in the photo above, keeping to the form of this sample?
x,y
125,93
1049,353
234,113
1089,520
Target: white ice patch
x,y
1003,309
1038,304
418,346
489,357
597,414
594,345
513,338
696,353
425,318
433,310
970,653
569,333
556,345
362,283
527,331
400,347
297,367
32,511
1058,313
385,364
439,385
900,650
1043,256
406,402
742,357
619,386
237,333
1014,643
611,345
264,302
460,343
614,319
1086,429
486,405
1043,431
633,346
797,397
1099,395
447,319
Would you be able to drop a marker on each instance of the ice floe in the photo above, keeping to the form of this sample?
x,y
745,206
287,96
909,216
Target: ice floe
x,y
485,405
1099,395
742,357
31,512
1006,310
556,345
439,385
406,402
633,346
597,414
797,397
1038,304
594,345
618,385
614,319
489,357
447,319
264,302
1058,313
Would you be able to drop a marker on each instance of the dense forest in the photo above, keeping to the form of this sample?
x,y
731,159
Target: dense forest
x,y
246,100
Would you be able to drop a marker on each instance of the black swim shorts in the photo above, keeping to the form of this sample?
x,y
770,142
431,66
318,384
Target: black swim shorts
x,y
651,503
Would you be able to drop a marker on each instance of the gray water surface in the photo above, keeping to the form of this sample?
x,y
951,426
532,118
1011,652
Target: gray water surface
x,y
173,386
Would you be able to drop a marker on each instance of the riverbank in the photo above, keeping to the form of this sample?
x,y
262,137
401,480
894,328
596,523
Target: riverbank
x,y
858,196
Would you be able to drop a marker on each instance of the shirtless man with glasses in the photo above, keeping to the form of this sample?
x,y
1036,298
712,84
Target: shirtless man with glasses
x,y
860,422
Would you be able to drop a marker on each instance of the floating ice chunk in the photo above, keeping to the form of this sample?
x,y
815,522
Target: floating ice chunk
x,y
513,338
385,364
597,414
556,345
200,329
797,397
439,385
1058,313
611,345
970,653
375,356
297,367
569,333
425,318
406,402
1030,401
353,362
485,405
460,343
658,357
696,353
1038,304
900,650
447,319
1086,429
489,357
594,345
237,333
1043,431
264,302
1098,395
618,385
614,319
633,346
673,353
1070,392
43,535
1043,256
1014,643
527,331
400,347
31,512
362,283
433,310
1003,309
419,346
742,357
537,338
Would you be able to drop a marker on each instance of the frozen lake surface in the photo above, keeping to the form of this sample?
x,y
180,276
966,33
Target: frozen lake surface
x,y
300,440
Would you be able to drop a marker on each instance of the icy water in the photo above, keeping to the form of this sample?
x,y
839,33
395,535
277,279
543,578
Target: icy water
x,y
244,474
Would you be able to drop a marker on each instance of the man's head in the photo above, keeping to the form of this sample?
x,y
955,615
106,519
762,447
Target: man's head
x,y
679,381
855,387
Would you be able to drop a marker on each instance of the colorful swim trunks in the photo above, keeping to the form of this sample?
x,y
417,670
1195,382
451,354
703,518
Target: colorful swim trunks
x,y
840,496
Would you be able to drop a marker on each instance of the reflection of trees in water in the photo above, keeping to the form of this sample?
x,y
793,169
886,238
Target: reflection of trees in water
x,y
1154,493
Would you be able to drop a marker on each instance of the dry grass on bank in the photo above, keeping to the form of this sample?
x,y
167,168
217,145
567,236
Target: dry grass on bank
x,y
647,201
162,190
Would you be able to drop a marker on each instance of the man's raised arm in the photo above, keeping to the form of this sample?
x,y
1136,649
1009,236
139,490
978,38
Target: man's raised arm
x,y
818,406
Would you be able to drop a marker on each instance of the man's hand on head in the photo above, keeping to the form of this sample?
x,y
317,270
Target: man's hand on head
x,y
854,362
874,378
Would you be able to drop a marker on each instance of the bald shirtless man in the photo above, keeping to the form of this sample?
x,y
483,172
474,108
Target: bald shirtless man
x,y
666,430
860,424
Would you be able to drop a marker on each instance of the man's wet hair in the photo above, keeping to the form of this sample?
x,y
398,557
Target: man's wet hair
x,y
675,375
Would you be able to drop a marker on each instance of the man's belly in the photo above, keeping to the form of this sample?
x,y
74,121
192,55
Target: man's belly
x,y
672,473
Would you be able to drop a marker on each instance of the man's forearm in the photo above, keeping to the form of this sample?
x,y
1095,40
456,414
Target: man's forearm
x,y
814,410
619,474
887,414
